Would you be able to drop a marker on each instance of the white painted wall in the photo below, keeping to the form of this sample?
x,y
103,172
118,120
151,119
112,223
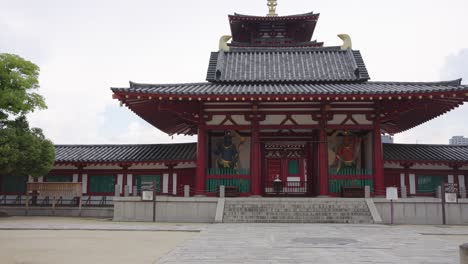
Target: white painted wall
x,y
120,182
174,183
451,179
412,182
461,181
84,179
389,165
273,119
165,183
130,182
430,167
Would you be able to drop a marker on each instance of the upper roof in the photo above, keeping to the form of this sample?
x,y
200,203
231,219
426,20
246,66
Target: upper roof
x,y
425,153
276,31
155,153
287,65
309,15
307,89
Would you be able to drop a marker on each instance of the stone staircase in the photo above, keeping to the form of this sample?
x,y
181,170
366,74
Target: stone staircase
x,y
296,210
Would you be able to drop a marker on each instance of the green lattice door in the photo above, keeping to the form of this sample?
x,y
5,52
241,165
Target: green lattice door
x,y
104,184
428,184
13,184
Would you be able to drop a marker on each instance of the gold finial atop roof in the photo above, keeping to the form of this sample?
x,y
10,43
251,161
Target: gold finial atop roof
x,y
272,8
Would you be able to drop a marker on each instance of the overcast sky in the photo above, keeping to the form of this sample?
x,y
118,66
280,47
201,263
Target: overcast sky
x,y
85,47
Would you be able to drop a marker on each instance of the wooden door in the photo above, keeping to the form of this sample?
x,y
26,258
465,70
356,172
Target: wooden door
x,y
273,169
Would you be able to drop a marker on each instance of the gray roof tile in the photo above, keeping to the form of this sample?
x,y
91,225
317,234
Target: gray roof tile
x,y
125,153
425,153
329,64
366,88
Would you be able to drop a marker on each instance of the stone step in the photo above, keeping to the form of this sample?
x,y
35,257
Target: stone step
x,y
296,211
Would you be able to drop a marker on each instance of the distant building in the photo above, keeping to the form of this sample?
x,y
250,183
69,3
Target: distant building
x,y
458,140
387,139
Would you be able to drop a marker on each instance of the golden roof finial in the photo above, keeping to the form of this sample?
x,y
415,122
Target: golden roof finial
x,y
272,8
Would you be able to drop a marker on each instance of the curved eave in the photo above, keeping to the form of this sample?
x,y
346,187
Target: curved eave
x,y
404,110
429,162
120,162
306,16
166,120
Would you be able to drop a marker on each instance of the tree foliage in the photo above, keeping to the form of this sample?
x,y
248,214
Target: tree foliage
x,y
23,150
18,83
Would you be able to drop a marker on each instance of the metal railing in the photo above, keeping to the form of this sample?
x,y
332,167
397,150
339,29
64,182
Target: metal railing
x,y
285,188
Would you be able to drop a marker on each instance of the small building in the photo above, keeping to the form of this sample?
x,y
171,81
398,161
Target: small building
x,y
387,139
276,106
458,140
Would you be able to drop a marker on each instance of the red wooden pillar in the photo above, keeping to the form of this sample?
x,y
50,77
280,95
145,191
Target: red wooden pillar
x,y
255,160
378,161
201,161
323,162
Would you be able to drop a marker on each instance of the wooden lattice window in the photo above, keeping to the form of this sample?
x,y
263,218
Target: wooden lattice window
x,y
101,183
13,184
429,184
59,178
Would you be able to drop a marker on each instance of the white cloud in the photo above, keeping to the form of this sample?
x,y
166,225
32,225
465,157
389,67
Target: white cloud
x,y
85,47
141,133
441,129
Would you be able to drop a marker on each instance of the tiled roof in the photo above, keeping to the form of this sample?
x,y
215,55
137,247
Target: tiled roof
x,y
287,65
187,152
237,16
428,153
366,88
125,153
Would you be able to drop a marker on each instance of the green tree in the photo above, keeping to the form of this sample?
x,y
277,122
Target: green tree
x,y
23,150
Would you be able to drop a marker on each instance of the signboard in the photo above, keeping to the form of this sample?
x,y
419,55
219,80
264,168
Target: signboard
x,y
147,186
451,198
147,196
147,190
392,193
451,188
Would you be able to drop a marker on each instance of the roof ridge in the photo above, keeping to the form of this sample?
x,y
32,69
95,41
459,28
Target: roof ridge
x,y
132,84
311,13
283,49
456,82
425,145
122,145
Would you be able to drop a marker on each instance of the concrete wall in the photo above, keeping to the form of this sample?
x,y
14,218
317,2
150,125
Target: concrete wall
x,y
422,211
168,209
95,212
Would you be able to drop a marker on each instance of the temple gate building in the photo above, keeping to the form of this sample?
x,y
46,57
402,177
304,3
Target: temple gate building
x,y
276,107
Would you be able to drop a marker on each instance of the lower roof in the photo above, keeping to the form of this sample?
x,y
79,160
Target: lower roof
x,y
186,152
115,154
424,153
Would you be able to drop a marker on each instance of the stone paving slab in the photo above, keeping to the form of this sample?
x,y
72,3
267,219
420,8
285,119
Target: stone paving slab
x,y
321,243
91,224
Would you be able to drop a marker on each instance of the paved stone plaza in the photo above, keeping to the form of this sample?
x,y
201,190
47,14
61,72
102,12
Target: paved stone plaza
x,y
226,243
321,243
